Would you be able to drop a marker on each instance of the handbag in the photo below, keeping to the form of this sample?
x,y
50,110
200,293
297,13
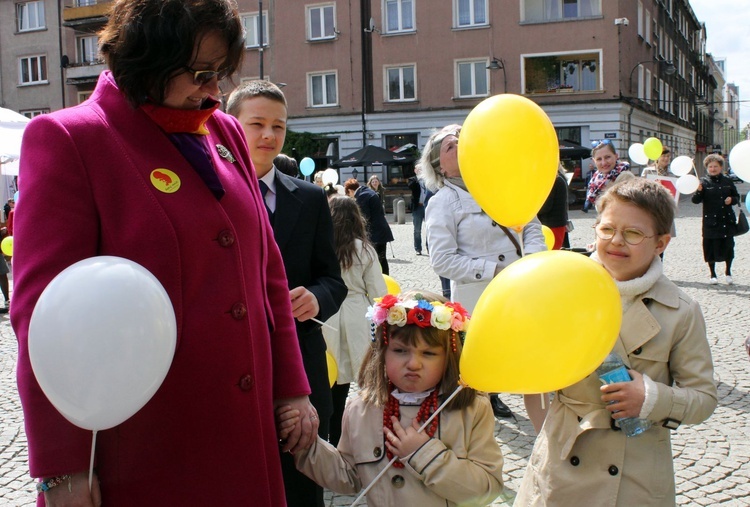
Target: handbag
x,y
569,226
742,225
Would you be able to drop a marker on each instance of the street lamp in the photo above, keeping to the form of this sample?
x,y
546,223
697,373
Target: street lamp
x,y
669,69
496,64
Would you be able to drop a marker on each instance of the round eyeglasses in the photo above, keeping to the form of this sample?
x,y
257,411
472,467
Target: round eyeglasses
x,y
201,77
631,236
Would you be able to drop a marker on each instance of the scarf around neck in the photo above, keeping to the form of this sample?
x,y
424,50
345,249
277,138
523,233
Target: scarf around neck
x,y
599,180
181,121
631,289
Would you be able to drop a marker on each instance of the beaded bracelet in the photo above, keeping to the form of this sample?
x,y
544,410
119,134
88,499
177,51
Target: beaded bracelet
x,y
47,484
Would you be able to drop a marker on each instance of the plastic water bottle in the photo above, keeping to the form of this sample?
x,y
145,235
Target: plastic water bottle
x,y
613,370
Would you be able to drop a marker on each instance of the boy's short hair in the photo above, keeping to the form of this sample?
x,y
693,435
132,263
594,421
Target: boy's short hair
x,y
648,195
252,89
713,157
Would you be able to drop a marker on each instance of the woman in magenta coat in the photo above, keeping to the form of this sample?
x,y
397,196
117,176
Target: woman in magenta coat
x,y
148,169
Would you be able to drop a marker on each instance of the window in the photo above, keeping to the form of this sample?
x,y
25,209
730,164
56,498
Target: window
x,y
252,29
399,15
470,13
321,22
322,89
647,86
562,73
640,18
472,78
84,96
87,49
84,3
647,27
401,83
33,113
540,11
30,16
32,69
640,82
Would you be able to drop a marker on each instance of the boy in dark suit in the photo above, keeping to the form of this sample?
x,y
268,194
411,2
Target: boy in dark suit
x,y
302,227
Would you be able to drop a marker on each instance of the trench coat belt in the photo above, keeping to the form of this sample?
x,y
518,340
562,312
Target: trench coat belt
x,y
592,416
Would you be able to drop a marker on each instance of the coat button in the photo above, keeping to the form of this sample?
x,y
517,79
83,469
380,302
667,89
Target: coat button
x,y
478,276
501,257
238,311
613,470
247,382
638,351
377,452
225,238
398,481
575,461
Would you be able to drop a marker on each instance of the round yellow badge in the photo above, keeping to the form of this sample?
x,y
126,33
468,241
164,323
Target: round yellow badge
x,y
165,180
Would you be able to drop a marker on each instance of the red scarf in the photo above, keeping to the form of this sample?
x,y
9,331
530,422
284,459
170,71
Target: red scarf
x,y
188,121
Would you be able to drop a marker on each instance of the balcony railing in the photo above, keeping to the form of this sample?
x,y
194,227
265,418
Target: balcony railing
x,y
78,12
84,73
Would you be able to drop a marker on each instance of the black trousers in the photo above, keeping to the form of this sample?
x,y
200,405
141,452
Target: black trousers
x,y
381,249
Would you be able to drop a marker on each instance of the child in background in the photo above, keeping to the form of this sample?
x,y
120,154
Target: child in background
x,y
410,369
360,270
581,457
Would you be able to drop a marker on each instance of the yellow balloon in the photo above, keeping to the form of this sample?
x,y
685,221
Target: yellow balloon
x,y
508,155
524,338
549,237
392,285
652,147
6,245
333,368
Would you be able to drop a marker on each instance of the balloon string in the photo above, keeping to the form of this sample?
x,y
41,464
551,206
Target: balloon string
x,y
520,240
426,423
91,462
543,396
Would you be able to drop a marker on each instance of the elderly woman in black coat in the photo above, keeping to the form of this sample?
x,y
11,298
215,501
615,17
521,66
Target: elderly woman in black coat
x,y
718,194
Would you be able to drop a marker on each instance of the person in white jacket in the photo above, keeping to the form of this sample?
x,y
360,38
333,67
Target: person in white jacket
x,y
466,245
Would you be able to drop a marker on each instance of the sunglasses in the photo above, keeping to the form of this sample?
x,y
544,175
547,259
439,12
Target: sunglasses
x,y
201,77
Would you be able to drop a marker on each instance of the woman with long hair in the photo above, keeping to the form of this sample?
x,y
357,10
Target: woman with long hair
x,y
360,270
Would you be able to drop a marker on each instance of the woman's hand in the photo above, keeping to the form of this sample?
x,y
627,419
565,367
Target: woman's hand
x,y
402,442
626,398
305,431
728,201
78,495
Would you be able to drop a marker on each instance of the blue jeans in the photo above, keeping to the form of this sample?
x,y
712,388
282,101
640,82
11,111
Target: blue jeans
x,y
417,216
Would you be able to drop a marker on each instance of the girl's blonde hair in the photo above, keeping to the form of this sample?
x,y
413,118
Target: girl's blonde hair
x,y
374,384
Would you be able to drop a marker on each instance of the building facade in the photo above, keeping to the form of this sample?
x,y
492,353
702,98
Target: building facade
x,y
389,72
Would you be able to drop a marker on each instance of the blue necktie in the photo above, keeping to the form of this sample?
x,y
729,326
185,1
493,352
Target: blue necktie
x,y
264,191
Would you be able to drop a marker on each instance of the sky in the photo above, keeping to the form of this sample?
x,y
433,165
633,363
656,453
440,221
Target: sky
x,y
727,23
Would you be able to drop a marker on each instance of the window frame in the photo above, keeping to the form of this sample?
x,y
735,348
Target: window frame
x,y
308,22
22,12
400,7
472,14
311,88
40,67
545,14
253,17
582,56
80,42
33,113
482,63
401,82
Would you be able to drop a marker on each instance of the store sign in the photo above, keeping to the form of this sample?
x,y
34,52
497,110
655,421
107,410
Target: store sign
x,y
610,135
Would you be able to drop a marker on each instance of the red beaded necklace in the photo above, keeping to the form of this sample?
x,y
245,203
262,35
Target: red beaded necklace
x,y
428,407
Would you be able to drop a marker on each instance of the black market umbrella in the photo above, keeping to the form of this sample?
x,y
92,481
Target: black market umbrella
x,y
372,155
569,149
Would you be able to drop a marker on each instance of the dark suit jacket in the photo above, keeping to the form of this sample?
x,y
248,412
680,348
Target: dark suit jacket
x,y
304,232
372,209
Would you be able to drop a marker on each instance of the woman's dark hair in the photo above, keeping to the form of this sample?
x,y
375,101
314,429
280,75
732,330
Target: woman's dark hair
x,y
348,226
147,42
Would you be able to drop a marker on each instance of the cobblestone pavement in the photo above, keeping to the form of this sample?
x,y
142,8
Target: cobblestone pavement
x,y
712,460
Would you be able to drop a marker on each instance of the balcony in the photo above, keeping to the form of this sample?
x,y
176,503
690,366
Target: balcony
x,y
84,73
85,12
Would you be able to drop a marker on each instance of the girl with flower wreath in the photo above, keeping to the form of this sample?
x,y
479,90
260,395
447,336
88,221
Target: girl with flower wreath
x,y
411,368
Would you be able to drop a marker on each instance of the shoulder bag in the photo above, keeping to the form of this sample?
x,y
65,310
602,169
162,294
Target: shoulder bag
x,y
742,225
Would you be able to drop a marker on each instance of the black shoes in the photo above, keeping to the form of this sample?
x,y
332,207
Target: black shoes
x,y
499,408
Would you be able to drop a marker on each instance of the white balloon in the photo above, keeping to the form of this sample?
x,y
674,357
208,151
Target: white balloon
x,y
330,176
637,155
687,184
101,340
739,160
681,165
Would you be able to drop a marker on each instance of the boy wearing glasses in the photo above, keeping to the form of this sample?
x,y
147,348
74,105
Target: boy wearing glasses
x,y
581,451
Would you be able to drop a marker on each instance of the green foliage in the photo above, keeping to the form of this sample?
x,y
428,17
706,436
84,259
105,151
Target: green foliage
x,y
304,144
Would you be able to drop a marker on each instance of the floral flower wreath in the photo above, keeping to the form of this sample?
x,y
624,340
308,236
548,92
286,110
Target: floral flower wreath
x,y
418,311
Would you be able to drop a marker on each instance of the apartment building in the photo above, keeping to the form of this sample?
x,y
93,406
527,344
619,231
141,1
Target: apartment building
x,y
388,72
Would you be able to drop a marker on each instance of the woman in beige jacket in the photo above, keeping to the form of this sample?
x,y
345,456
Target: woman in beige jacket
x,y
581,457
